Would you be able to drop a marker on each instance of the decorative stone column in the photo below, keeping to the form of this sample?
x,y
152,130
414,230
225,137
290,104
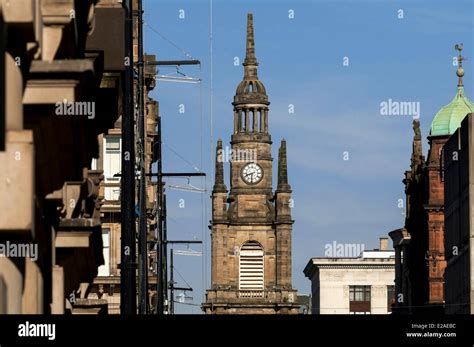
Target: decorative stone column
x,y
255,120
247,120
236,122
266,121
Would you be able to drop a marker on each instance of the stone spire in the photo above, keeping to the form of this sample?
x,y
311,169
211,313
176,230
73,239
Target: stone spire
x,y
219,186
250,62
283,185
251,99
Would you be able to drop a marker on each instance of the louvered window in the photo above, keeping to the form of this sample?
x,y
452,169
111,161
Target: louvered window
x,y
251,267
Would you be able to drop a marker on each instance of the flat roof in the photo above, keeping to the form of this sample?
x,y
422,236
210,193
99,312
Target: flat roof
x,y
375,259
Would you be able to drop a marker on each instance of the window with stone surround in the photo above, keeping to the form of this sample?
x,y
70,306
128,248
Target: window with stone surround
x,y
112,163
359,299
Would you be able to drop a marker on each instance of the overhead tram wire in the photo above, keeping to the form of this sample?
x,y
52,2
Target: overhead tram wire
x,y
163,294
190,187
181,157
204,206
179,274
168,40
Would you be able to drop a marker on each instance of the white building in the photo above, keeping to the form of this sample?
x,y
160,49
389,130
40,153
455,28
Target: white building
x,y
360,285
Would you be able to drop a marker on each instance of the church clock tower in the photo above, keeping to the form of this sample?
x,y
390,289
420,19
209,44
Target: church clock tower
x,y
251,224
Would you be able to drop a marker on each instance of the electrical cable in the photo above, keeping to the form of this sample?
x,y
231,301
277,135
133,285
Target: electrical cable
x,y
181,157
179,274
168,40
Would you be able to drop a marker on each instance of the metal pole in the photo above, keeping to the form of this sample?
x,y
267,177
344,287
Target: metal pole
x,y
159,218
165,252
128,290
143,248
171,283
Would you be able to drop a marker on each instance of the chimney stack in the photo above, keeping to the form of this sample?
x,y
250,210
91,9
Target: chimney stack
x,y
383,243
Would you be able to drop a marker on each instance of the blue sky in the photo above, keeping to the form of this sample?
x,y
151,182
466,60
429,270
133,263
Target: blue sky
x,y
337,107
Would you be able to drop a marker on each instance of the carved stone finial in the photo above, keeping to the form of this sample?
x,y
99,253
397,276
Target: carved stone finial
x,y
219,185
283,168
416,129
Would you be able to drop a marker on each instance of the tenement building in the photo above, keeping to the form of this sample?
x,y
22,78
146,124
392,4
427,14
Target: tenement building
x,y
251,224
420,248
106,286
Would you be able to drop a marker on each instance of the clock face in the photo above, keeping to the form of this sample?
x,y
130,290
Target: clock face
x,y
252,173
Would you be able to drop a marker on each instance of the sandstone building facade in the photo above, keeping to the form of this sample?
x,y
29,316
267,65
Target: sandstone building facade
x,y
55,56
251,224
60,183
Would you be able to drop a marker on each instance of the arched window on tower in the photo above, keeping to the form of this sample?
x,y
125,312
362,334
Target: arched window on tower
x,y
251,270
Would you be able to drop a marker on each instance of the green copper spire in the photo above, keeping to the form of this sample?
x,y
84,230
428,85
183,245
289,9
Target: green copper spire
x,y
449,118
